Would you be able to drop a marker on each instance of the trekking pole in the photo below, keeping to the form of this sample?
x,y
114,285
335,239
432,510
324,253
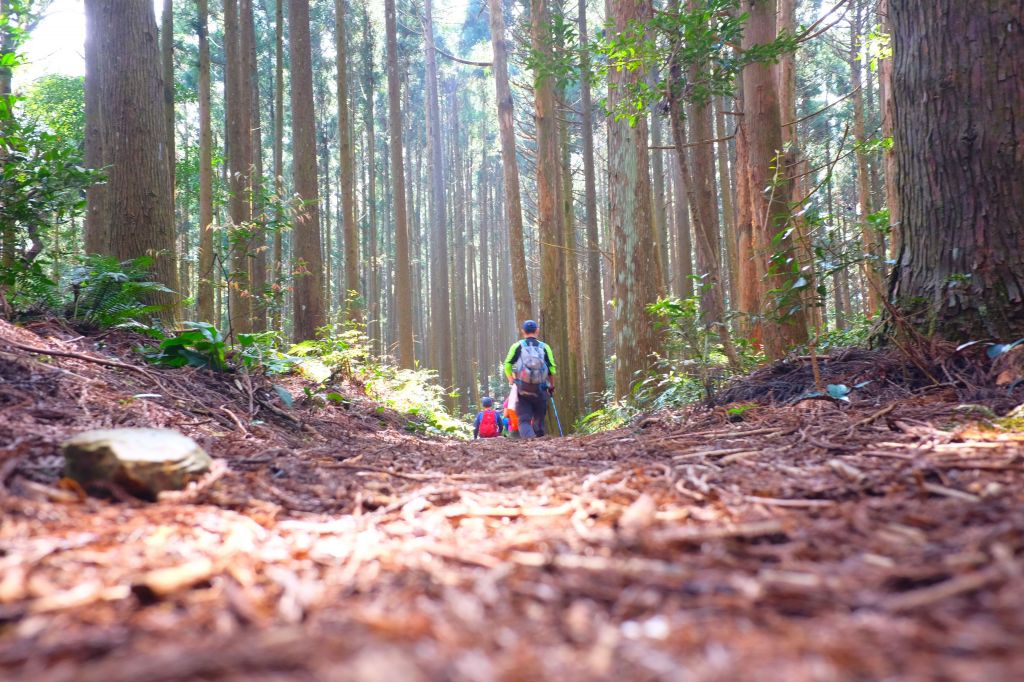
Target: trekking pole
x,y
557,420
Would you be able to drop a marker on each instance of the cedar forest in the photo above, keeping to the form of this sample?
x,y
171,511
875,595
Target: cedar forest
x,y
775,248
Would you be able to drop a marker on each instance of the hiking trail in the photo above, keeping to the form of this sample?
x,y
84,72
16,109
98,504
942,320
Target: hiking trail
x,y
811,541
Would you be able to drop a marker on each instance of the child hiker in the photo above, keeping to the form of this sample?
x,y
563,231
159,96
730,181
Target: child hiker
x,y
488,422
511,418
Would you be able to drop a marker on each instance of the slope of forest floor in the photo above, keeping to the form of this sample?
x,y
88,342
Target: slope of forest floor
x,y
809,541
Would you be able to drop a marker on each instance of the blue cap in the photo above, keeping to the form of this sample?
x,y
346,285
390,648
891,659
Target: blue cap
x,y
529,326
487,402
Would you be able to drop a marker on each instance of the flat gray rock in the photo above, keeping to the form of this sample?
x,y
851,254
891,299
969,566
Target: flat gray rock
x,y
142,461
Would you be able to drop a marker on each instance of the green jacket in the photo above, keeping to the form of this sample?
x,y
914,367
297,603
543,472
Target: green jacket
x,y
513,355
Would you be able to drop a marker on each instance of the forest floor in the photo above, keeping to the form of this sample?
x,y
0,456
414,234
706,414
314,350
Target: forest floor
x,y
809,541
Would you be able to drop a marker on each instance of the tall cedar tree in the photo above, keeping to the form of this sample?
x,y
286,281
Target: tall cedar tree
x,y
402,308
553,314
133,132
594,317
629,191
506,130
239,154
373,293
870,237
257,241
308,265
347,154
205,293
959,104
440,307
770,188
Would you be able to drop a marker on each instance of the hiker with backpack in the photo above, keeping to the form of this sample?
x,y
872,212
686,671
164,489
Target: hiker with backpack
x,y
488,423
530,367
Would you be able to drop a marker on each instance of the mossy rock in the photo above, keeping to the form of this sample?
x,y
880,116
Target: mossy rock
x,y
142,461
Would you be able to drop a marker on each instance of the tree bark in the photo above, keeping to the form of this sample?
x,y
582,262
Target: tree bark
x,y
506,130
369,90
751,268
872,251
594,297
402,269
205,292
141,215
728,210
278,266
348,211
440,309
594,367
550,229
785,323
885,97
308,267
959,108
97,217
257,244
636,262
239,154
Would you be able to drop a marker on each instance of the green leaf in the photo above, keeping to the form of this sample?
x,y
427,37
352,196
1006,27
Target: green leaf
x,y
284,395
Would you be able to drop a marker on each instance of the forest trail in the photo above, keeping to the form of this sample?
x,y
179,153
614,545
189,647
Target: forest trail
x,y
809,542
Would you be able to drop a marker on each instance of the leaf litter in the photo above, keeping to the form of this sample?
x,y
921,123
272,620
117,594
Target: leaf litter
x,y
807,541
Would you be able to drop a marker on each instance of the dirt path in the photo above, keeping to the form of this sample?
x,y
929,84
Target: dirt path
x,y
804,543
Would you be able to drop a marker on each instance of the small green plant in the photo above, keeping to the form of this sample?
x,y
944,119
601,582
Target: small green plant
x,y
200,345
259,352
737,413
614,414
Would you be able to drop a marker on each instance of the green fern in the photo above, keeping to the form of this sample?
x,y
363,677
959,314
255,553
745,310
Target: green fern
x,y
107,293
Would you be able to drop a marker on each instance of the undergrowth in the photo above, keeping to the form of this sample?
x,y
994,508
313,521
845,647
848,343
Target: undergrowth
x,y
340,354
344,351
693,368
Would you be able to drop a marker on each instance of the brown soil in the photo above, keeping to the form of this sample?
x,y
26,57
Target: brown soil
x,y
809,541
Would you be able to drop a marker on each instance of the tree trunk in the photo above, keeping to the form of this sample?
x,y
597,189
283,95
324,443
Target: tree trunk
x,y
205,292
553,314
658,188
571,384
278,267
257,242
636,263
795,162
959,103
167,62
751,262
594,326
239,155
706,228
869,236
308,266
440,310
885,96
369,89
513,210
402,269
683,265
785,325
728,211
97,153
348,198
141,214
